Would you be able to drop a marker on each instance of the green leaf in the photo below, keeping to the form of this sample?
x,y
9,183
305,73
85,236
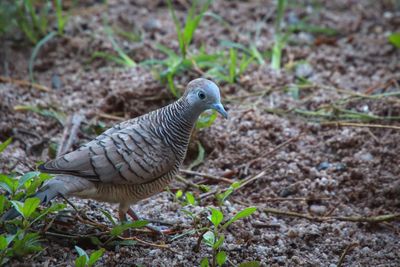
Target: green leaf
x,y
117,230
80,261
190,198
200,156
3,242
95,256
53,208
179,194
108,216
9,184
81,252
219,241
28,244
394,39
2,203
241,214
30,206
5,144
221,258
206,119
26,177
216,217
19,206
209,238
250,264
204,262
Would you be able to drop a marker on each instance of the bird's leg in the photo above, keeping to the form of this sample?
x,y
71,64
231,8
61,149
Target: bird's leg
x,y
122,216
153,228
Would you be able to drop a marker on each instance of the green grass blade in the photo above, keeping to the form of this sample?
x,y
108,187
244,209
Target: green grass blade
x,y
35,52
127,60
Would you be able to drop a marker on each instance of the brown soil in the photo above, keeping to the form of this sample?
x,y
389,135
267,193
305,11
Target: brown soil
x,y
326,171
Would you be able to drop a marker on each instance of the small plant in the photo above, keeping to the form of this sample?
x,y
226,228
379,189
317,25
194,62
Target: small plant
x,y
394,39
185,33
32,18
19,236
121,58
84,260
214,237
236,66
279,37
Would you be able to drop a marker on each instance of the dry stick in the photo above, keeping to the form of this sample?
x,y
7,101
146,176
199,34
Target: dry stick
x,y
70,132
372,219
347,249
352,124
110,117
273,199
24,83
186,182
208,176
147,243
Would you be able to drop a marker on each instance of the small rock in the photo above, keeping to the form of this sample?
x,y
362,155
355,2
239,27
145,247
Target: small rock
x,y
56,81
323,166
364,156
340,167
152,25
285,192
318,209
304,70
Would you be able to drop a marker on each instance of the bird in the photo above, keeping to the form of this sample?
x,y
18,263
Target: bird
x,y
134,159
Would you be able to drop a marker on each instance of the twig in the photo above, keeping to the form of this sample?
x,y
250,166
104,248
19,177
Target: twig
x,y
186,182
70,132
345,252
242,182
355,218
353,124
147,243
255,177
110,117
208,176
276,199
198,243
24,83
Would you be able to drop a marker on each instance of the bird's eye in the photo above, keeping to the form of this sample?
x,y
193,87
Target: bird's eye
x,y
201,95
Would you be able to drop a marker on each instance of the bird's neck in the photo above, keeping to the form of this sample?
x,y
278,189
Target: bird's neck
x,y
177,123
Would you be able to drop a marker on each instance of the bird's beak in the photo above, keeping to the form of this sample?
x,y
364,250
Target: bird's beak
x,y
221,110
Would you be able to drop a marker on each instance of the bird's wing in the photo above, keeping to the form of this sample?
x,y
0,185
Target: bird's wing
x,y
130,155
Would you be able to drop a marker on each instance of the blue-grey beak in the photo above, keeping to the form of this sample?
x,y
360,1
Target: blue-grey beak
x,y
221,110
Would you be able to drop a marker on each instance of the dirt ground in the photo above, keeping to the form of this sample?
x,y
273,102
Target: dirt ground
x,y
325,171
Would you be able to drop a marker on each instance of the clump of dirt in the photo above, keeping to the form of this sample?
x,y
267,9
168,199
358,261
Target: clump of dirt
x,y
324,171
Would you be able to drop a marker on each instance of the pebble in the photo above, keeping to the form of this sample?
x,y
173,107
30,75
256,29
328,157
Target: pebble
x,y
323,166
304,70
318,209
364,156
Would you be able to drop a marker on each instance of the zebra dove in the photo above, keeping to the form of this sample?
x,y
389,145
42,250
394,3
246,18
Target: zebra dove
x,y
134,159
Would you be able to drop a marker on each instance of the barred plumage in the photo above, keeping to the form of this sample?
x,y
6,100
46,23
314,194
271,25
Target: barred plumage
x,y
136,158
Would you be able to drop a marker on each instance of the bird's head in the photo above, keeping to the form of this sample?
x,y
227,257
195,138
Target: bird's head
x,y
203,94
